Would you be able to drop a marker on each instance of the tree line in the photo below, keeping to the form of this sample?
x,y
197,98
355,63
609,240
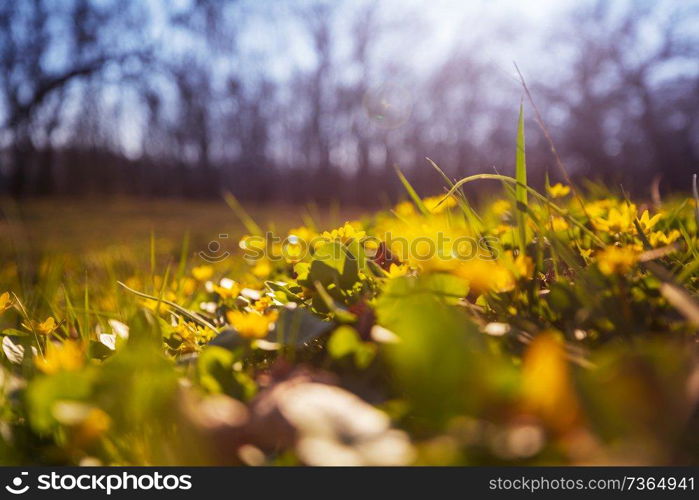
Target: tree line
x,y
321,100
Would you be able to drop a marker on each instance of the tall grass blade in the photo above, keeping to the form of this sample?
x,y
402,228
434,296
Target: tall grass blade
x,y
521,177
695,192
85,333
533,192
250,225
471,216
412,193
188,314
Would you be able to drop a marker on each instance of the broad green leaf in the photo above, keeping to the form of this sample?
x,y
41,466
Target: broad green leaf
x,y
440,362
296,327
45,391
215,370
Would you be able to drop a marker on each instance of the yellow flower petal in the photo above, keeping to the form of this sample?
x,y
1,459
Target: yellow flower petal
x,y
558,190
202,273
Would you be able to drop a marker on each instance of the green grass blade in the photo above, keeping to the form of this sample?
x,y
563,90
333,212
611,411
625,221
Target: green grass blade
x,y
182,265
471,216
152,259
533,192
695,193
250,225
521,177
85,333
71,316
412,193
188,314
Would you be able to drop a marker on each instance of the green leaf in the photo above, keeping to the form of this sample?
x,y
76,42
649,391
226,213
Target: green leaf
x,y
336,269
289,295
296,327
215,370
364,355
439,361
45,391
138,384
13,332
344,341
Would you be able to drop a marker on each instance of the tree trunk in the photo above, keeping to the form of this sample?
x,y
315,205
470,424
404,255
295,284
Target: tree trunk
x,y
20,163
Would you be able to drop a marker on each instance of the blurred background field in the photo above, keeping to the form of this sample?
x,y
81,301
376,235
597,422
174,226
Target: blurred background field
x,y
48,246
82,226
90,244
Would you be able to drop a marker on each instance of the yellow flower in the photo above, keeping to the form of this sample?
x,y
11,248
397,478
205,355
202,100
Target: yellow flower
x,y
227,288
188,286
96,423
295,248
371,245
345,233
616,260
262,304
86,422
252,325
5,302
485,275
296,244
586,253
134,282
187,333
435,205
262,269
301,234
429,243
646,222
524,266
559,224
501,207
404,209
252,242
597,208
45,327
659,238
202,273
501,229
521,266
547,388
558,190
397,270
66,356
618,220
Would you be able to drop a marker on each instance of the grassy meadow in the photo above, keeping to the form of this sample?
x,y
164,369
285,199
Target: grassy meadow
x,y
537,327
